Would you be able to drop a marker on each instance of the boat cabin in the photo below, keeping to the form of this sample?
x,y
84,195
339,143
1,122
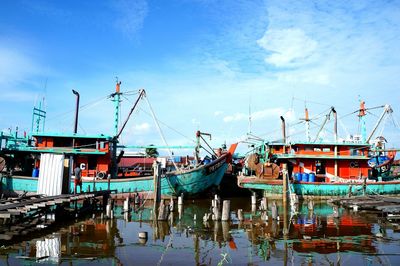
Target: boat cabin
x,y
349,160
91,152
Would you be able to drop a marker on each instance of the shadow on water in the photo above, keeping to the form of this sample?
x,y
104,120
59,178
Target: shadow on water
x,y
314,233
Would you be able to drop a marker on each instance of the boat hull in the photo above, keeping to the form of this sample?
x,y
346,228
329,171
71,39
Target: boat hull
x,y
323,190
188,182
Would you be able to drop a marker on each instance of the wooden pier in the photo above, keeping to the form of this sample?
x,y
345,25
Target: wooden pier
x,y
387,206
28,214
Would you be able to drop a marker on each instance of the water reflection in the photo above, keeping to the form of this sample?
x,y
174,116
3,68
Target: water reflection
x,y
310,234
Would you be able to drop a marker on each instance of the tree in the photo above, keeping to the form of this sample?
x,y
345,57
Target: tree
x,y
151,152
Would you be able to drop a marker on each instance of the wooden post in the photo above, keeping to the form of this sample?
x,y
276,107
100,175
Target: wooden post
x,y
157,190
225,231
94,183
180,200
163,211
253,209
253,199
108,211
310,205
240,214
216,213
137,199
226,210
108,181
264,204
180,211
274,211
171,205
126,205
264,216
284,183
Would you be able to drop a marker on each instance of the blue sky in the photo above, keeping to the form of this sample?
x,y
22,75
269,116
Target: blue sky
x,y
202,63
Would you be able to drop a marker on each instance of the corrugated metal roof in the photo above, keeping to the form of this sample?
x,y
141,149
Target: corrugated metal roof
x,y
72,135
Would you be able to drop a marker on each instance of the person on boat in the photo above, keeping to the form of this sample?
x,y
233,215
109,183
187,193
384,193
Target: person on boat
x,y
78,179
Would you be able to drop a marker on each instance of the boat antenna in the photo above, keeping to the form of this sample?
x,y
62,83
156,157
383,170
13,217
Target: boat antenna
x,y
249,113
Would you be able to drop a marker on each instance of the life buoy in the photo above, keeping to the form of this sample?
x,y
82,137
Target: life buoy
x,y
101,175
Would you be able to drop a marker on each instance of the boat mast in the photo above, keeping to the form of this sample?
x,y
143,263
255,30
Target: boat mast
x,y
361,115
37,116
387,110
307,120
116,98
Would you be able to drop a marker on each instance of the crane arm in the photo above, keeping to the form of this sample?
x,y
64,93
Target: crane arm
x,y
387,110
142,94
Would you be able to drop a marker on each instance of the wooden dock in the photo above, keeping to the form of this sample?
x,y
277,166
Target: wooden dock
x,y
28,214
389,207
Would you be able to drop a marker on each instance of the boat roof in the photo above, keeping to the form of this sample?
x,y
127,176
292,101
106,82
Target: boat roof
x,y
344,143
71,135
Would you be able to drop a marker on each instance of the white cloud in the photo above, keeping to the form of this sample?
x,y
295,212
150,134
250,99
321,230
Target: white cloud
x,y
15,66
131,16
218,113
235,117
288,47
258,115
142,128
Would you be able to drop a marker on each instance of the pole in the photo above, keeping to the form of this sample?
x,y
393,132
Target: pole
x,y
157,192
335,139
284,134
285,179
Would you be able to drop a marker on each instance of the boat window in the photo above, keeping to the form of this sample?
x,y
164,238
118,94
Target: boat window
x,y
353,152
92,163
354,164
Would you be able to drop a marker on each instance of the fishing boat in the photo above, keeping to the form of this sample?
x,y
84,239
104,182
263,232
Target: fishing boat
x,y
316,168
50,157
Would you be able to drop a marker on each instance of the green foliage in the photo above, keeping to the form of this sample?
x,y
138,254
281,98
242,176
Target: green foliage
x,y
151,152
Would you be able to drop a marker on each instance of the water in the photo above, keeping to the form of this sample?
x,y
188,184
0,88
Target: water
x,y
318,237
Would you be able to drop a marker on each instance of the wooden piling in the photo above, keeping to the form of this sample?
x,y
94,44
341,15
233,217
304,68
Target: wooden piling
x,y
253,209
253,199
108,211
274,211
264,204
156,176
284,183
163,211
171,205
240,214
180,211
226,210
216,213
126,205
180,200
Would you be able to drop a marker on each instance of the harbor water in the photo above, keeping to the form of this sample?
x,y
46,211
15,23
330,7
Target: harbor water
x,y
314,233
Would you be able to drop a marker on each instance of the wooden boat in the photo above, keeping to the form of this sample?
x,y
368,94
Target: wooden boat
x,y
96,155
188,181
321,169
